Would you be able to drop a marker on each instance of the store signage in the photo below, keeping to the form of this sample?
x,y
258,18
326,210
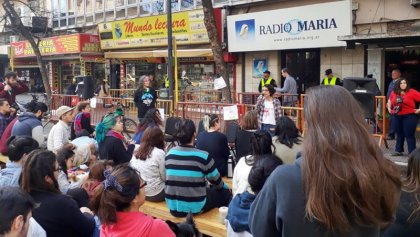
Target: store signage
x,y
66,44
310,26
187,27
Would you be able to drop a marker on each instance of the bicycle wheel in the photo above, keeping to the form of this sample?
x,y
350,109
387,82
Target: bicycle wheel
x,y
130,127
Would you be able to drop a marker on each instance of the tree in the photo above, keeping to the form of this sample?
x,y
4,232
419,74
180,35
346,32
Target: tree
x,y
12,18
216,46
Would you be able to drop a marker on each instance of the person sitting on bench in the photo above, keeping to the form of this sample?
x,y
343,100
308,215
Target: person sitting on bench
x,y
187,170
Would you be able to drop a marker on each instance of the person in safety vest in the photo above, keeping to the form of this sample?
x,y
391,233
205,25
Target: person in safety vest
x,y
267,79
166,78
330,79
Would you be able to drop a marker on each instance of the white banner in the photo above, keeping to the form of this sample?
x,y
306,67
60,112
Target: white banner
x,y
230,112
311,26
219,83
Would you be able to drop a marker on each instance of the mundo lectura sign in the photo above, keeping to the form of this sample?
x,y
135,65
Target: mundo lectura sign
x,y
310,26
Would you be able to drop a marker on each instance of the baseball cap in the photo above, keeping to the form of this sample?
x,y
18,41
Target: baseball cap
x,y
328,72
266,71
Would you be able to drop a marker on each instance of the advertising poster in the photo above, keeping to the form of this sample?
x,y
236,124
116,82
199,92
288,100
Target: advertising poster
x,y
259,67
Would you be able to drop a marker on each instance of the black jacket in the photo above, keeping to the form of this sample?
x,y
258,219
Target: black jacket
x,y
402,225
113,148
243,143
60,216
215,143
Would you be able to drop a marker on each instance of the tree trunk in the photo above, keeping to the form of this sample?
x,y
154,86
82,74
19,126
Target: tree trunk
x,y
18,27
216,46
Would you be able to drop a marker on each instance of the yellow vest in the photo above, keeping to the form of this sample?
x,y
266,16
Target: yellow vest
x,y
330,83
166,81
266,82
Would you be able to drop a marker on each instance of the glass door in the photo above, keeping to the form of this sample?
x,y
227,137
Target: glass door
x,y
304,66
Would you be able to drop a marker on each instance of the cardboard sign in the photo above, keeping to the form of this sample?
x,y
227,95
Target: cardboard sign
x,y
93,102
219,83
230,112
162,113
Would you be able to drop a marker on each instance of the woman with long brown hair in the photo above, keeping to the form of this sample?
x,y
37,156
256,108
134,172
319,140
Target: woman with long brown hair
x,y
248,127
341,186
149,160
407,221
57,213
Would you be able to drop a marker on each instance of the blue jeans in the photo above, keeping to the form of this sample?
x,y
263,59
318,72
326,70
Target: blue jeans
x,y
391,131
269,128
405,128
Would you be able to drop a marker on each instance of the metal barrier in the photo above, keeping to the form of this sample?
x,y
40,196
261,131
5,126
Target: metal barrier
x,y
196,111
122,93
98,112
251,97
206,96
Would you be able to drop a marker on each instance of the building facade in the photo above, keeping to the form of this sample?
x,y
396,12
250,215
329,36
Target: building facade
x,y
353,38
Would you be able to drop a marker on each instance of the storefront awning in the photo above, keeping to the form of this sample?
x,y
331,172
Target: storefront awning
x,y
383,40
182,53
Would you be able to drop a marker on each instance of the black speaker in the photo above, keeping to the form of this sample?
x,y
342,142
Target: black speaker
x,y
231,130
85,88
364,91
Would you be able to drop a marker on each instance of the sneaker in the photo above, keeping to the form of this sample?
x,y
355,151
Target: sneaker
x,y
397,154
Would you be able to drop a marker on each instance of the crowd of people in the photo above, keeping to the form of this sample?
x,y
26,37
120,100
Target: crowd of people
x,y
92,181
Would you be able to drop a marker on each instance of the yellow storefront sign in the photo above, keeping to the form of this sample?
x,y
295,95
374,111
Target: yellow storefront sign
x,y
187,27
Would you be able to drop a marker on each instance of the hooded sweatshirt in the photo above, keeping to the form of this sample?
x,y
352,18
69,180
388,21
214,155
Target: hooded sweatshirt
x,y
238,211
29,125
136,224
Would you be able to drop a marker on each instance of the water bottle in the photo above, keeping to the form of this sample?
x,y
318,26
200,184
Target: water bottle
x,y
230,167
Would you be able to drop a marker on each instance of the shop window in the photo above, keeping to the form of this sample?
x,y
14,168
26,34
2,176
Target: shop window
x,y
68,71
89,7
71,6
131,2
187,5
99,5
120,3
109,4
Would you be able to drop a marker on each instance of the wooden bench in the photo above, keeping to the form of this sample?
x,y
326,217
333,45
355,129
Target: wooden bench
x,y
3,158
208,223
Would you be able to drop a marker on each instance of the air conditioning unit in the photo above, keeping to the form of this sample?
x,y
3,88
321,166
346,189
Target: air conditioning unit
x,y
415,3
13,38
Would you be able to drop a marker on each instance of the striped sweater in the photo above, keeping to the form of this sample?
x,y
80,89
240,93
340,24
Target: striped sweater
x,y
187,170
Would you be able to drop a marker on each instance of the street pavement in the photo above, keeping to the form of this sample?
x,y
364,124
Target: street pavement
x,y
400,160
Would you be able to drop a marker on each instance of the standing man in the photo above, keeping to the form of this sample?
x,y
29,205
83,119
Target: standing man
x,y
6,114
289,88
267,79
11,87
330,79
395,75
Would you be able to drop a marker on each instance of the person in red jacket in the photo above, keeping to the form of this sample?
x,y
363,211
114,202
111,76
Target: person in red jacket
x,y
12,87
402,105
5,136
117,206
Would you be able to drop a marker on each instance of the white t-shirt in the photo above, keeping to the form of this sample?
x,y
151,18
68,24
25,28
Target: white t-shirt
x,y
152,170
269,116
240,177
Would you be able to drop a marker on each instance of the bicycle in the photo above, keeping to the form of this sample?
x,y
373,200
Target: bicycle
x,y
129,125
